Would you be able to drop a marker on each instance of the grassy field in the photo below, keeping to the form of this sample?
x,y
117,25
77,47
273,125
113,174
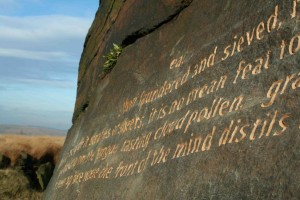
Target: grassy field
x,y
15,183
15,186
36,146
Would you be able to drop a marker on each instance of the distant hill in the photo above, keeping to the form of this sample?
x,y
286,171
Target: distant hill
x,y
30,130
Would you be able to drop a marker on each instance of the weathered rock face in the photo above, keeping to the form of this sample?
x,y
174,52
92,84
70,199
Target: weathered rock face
x,y
202,104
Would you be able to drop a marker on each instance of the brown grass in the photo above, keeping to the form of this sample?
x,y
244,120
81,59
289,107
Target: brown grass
x,y
36,146
15,185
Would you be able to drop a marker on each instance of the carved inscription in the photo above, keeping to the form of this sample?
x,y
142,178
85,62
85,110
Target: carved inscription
x,y
190,119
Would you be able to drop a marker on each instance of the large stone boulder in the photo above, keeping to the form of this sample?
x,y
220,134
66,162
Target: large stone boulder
x,y
203,103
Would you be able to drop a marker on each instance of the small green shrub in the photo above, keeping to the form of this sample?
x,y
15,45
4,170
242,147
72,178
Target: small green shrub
x,y
111,58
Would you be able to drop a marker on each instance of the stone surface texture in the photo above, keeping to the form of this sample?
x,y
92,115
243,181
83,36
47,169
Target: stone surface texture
x,y
203,103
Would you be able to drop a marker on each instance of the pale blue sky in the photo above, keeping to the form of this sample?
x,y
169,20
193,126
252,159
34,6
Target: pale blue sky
x,y
40,46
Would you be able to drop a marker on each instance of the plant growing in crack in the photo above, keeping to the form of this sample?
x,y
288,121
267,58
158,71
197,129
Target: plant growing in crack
x,y
111,58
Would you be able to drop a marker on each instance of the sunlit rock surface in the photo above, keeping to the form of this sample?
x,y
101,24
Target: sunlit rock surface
x,y
203,103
